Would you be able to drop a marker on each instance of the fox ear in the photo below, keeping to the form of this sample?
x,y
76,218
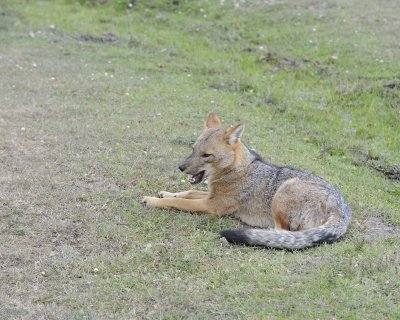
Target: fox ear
x,y
212,121
232,135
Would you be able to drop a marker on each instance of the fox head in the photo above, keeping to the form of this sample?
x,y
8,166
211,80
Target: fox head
x,y
215,150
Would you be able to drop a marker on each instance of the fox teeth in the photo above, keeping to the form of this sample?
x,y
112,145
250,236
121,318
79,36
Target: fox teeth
x,y
196,178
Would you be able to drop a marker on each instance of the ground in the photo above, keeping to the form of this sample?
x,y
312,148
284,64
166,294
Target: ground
x,y
101,101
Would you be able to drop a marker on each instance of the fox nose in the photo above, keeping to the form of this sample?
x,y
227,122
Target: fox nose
x,y
182,167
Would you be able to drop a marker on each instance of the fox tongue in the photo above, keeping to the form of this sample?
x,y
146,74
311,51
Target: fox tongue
x,y
196,178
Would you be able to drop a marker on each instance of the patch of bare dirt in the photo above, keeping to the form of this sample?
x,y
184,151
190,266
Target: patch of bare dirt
x,y
281,61
374,227
105,38
392,85
377,163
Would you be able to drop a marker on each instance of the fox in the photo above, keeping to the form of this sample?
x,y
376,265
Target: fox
x,y
286,208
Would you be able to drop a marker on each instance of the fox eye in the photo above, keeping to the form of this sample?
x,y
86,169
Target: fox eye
x,y
206,155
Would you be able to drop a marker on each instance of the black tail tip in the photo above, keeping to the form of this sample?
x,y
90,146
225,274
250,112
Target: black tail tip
x,y
235,236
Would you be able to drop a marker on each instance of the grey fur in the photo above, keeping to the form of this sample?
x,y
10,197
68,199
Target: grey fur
x,y
262,182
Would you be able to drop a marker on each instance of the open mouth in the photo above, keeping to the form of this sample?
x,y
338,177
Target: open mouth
x,y
196,178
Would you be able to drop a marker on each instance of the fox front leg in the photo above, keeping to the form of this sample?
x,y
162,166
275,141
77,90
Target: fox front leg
x,y
190,194
199,206
191,205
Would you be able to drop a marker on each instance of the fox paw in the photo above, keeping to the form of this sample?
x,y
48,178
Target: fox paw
x,y
165,194
149,201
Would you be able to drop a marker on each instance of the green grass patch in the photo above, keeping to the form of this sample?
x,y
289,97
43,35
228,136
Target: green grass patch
x,y
102,102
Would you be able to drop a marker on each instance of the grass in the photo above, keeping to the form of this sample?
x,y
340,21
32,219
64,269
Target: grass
x,y
100,103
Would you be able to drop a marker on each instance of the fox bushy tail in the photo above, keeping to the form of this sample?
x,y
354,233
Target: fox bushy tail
x,y
327,233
